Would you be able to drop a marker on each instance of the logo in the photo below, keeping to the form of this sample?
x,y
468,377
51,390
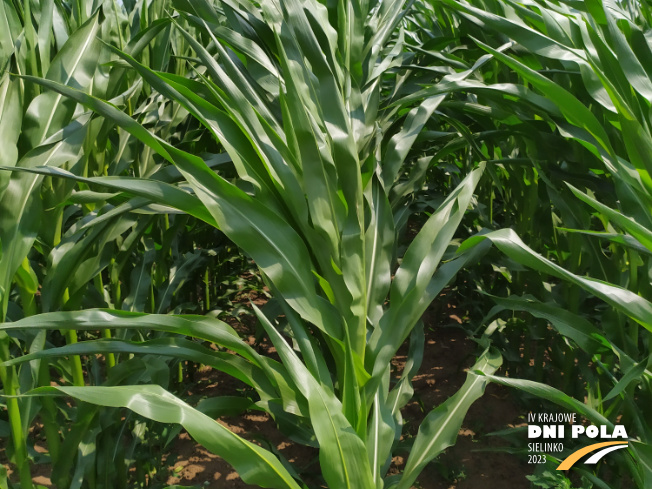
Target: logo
x,y
554,426
607,447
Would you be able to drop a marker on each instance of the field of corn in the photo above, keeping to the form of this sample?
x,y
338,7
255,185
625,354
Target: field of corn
x,y
295,211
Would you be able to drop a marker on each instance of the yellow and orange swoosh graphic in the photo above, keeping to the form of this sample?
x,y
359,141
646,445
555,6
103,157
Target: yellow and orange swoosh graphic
x,y
575,456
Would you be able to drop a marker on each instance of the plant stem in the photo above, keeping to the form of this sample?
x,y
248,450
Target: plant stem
x,y
75,360
633,286
110,357
8,377
207,297
48,415
70,335
28,302
115,284
106,333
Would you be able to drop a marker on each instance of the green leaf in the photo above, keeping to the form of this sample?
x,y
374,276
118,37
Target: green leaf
x,y
10,29
140,280
171,346
21,206
11,119
633,374
573,109
555,396
342,453
255,465
155,191
587,336
621,239
440,427
418,280
73,65
631,304
380,238
401,143
216,407
205,328
382,432
641,233
643,453
266,236
180,272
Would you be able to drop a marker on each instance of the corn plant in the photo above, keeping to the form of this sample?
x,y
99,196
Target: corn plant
x,y
305,101
57,48
55,253
589,63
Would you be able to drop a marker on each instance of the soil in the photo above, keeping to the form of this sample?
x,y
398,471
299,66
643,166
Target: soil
x,y
475,461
